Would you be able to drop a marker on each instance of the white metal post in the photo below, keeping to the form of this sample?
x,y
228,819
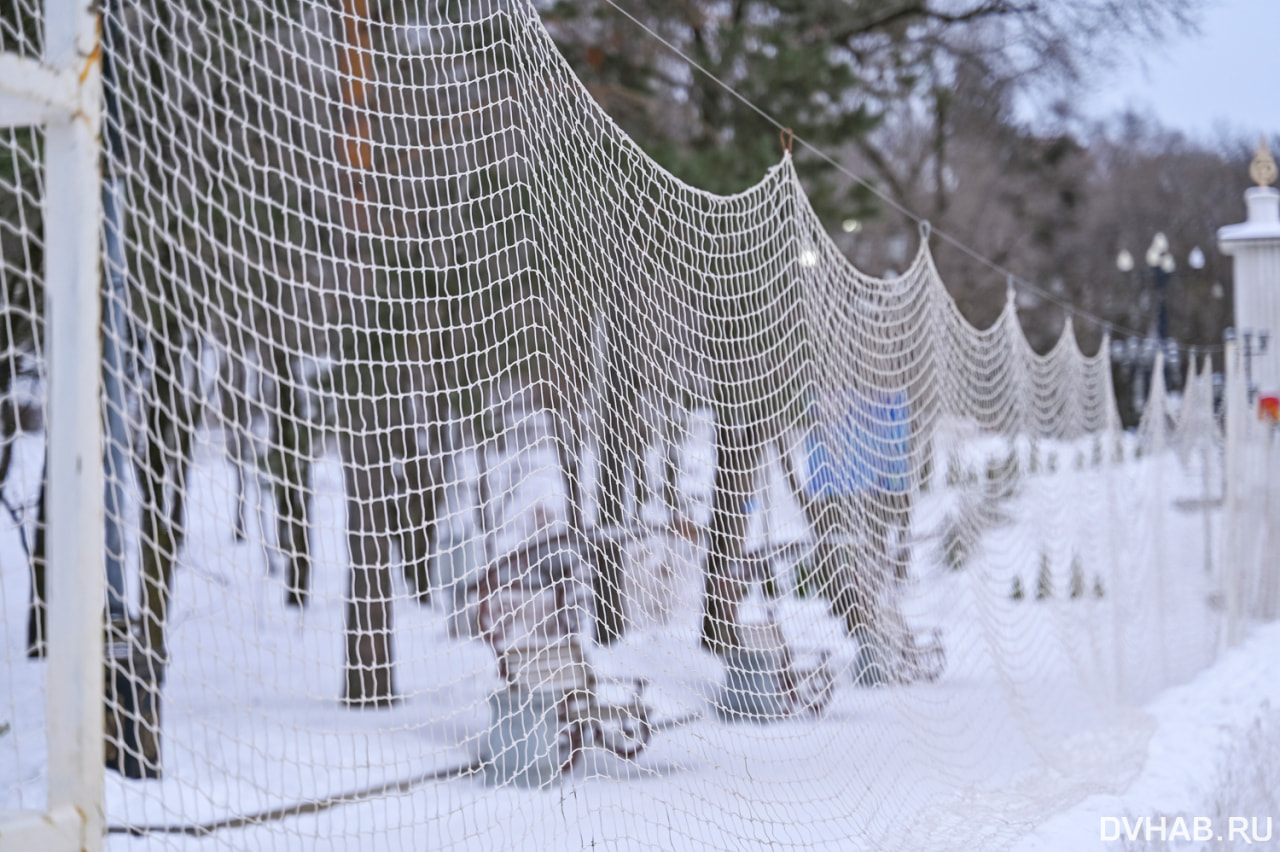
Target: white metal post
x,y
1269,581
64,92
1235,407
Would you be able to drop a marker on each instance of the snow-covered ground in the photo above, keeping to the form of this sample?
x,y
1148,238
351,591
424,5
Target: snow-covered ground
x,y
1213,754
1039,711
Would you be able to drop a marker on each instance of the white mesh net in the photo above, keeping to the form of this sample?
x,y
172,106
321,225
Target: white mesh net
x,y
474,483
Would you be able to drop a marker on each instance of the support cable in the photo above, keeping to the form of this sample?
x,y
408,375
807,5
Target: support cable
x,y
1067,306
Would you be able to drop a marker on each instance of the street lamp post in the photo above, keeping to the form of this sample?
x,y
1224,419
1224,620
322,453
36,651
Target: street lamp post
x,y
1160,266
1251,347
1138,356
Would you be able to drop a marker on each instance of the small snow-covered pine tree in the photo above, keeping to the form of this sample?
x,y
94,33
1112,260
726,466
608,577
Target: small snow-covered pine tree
x,y
1077,579
1044,583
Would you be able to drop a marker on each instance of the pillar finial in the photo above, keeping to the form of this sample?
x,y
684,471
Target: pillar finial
x,y
1263,168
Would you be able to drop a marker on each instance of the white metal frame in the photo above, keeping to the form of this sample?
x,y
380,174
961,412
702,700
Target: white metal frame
x,y
64,93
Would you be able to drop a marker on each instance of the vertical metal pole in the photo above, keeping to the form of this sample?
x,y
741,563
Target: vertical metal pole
x,y
115,327
1231,558
74,712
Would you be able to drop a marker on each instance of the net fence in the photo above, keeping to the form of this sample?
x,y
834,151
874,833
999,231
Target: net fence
x,y
472,482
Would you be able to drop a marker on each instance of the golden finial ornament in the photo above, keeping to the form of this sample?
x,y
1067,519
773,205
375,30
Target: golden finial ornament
x,y
1263,168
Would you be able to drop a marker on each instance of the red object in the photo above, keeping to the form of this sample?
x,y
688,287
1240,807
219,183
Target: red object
x,y
1269,408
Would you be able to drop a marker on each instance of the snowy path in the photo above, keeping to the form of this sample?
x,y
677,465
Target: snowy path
x,y
1028,719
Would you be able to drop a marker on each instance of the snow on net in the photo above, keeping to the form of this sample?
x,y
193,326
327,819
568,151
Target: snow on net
x,y
474,483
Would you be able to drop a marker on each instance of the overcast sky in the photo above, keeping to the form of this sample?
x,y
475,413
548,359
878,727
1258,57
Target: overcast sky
x,y
1228,74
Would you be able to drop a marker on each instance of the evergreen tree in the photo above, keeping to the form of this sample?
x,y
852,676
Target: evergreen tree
x,y
1077,579
1044,581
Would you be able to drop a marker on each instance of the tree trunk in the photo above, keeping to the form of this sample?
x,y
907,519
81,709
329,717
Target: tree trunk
x,y
568,440
155,535
291,506
188,409
291,435
671,466
607,582
37,613
368,471
738,455
238,421
10,418
170,434
155,540
369,662
416,523
569,455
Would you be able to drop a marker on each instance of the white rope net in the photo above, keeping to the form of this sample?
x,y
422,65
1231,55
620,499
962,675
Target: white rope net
x,y
474,483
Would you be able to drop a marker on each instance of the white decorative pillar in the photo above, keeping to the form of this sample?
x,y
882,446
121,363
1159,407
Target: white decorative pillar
x,y
1252,573
1255,246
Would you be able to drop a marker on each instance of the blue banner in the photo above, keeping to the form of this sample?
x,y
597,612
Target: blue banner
x,y
860,441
